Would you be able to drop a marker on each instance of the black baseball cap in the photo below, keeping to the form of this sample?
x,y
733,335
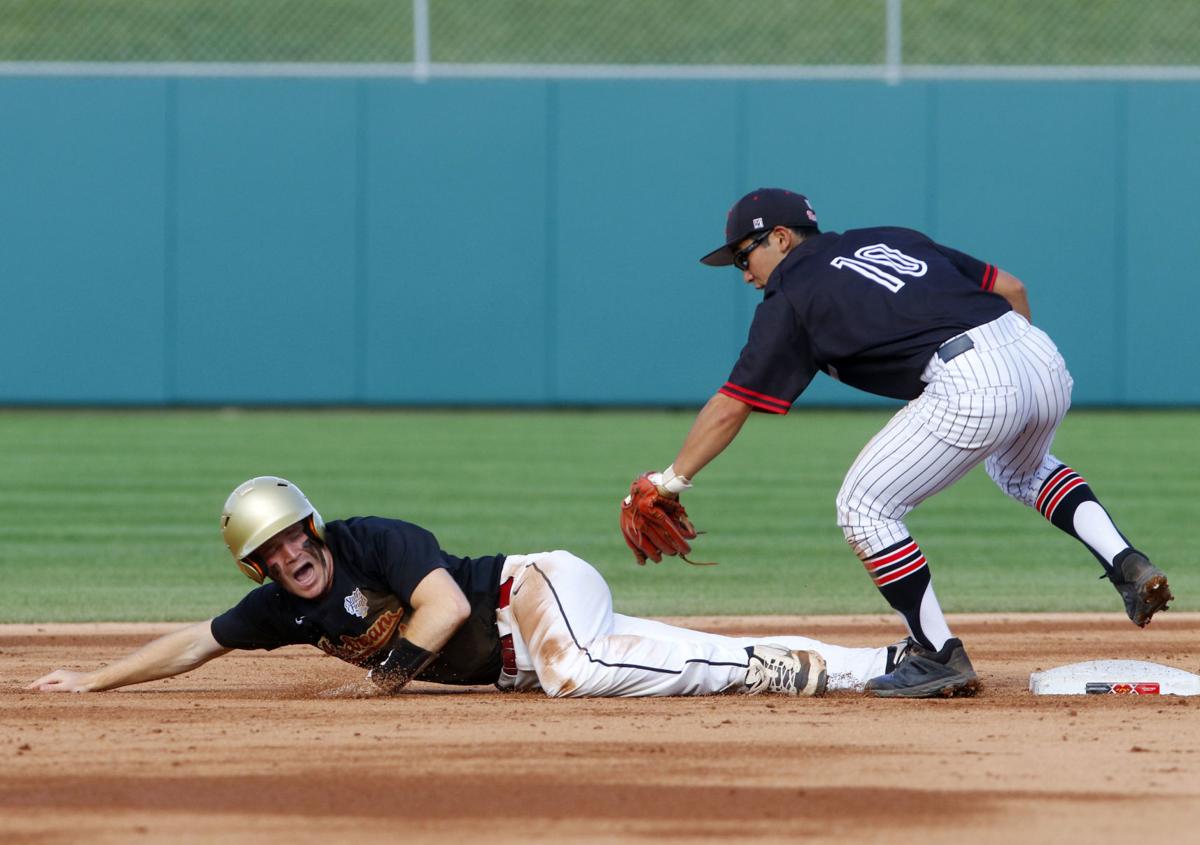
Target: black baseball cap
x,y
760,210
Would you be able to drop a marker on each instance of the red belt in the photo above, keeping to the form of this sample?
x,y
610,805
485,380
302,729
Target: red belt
x,y
508,653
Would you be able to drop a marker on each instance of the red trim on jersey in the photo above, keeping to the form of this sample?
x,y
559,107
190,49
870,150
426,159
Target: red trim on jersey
x,y
755,393
989,277
1049,485
900,573
755,400
1067,489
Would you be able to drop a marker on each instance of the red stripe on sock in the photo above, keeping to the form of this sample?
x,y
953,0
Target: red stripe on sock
x,y
900,573
872,565
1067,489
1049,485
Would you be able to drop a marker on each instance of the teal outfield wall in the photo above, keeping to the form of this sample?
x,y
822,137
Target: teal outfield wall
x,y
206,240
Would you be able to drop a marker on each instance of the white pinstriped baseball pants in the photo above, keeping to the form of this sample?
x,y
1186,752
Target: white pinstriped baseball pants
x,y
1000,402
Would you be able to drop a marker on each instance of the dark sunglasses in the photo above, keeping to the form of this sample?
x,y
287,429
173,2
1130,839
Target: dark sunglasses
x,y
741,258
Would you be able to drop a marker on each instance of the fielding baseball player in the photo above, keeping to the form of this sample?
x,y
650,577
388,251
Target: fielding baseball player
x,y
891,312
381,594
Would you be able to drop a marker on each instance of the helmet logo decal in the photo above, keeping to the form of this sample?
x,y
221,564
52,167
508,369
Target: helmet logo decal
x,y
356,604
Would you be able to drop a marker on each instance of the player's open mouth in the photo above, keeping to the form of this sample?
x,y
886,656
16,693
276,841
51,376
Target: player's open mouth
x,y
305,574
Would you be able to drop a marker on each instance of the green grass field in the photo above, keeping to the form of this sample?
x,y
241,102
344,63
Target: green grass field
x,y
621,31
112,515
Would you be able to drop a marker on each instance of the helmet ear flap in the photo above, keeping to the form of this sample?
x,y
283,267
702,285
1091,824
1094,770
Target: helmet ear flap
x,y
314,527
251,570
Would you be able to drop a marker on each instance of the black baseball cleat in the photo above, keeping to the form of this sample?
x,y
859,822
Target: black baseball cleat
x,y
1142,585
897,652
921,673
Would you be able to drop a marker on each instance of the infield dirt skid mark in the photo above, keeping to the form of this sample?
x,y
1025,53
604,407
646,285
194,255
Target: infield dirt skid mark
x,y
800,813
441,798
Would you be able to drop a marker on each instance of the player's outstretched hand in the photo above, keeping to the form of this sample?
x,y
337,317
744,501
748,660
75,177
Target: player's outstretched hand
x,y
62,680
654,524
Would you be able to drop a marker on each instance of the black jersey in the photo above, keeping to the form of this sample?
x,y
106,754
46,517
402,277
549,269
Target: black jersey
x,y
868,307
377,563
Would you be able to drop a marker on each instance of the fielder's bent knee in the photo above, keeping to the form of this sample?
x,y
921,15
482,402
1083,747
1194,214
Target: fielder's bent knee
x,y
1020,483
862,538
867,535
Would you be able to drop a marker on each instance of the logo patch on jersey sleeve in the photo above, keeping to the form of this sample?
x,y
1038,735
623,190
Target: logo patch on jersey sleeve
x,y
356,604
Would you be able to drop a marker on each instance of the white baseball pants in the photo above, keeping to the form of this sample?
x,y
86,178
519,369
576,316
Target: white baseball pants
x,y
568,641
1000,402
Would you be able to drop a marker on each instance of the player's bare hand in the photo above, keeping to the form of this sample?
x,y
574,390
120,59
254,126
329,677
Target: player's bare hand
x,y
62,680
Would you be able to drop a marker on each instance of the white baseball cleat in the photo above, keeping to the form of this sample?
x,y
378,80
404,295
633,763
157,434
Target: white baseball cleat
x,y
774,668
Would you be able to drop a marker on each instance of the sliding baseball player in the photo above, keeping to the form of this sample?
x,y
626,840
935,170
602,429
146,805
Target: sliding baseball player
x,y
384,596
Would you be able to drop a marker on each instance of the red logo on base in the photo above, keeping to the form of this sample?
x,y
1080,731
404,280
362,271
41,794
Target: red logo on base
x,y
1102,688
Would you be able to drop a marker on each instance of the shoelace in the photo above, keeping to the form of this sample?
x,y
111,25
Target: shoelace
x,y
785,675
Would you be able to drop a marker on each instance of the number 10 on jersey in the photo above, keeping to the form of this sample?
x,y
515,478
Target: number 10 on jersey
x,y
869,261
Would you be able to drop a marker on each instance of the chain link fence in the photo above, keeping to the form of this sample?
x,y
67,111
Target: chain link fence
x,y
790,33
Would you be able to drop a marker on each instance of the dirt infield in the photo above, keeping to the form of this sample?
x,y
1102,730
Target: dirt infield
x,y
245,749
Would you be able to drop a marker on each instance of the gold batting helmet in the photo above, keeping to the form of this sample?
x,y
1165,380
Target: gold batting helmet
x,y
258,510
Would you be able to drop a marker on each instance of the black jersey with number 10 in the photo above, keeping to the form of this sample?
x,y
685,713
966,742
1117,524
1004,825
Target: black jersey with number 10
x,y
868,307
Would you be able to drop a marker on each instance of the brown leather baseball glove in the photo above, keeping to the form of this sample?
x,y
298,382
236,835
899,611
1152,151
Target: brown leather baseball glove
x,y
655,525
